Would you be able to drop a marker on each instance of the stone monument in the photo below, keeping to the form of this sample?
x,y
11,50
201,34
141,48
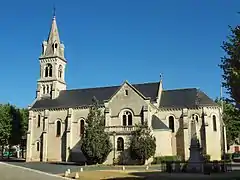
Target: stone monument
x,y
196,160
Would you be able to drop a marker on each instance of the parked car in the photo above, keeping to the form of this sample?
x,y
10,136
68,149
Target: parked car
x,y
7,154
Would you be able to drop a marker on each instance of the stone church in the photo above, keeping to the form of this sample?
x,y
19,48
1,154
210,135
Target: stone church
x,y
57,115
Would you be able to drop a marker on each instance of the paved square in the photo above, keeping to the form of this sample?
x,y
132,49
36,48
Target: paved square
x,y
11,172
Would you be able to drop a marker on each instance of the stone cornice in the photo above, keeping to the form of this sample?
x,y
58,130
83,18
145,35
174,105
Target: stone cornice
x,y
191,108
63,108
51,58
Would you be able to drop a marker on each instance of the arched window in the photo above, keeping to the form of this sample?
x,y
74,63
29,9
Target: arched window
x,y
171,123
120,144
60,71
43,124
81,127
48,70
214,123
196,118
127,118
38,146
51,88
44,90
58,128
54,47
47,89
39,120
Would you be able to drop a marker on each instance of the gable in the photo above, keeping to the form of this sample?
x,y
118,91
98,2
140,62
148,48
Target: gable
x,y
129,97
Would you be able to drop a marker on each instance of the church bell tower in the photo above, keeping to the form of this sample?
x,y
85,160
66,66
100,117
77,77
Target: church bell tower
x,y
52,65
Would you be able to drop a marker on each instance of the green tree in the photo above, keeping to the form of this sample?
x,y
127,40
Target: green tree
x,y
16,127
96,144
231,118
19,124
24,113
142,143
5,124
230,64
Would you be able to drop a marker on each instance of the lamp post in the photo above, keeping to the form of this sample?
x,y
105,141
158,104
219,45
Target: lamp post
x,y
114,149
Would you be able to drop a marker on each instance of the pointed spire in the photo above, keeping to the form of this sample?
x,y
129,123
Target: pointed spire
x,y
53,45
53,34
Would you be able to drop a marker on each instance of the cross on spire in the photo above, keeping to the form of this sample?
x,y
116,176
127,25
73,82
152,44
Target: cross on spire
x,y
161,76
54,11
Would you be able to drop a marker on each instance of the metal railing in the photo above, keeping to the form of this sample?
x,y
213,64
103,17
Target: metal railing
x,y
120,128
204,167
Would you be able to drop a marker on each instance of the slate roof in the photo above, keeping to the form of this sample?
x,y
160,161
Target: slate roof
x,y
179,98
188,98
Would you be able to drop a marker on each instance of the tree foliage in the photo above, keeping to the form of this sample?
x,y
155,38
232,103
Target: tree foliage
x,y
5,123
96,144
24,113
13,124
231,118
142,143
230,64
16,126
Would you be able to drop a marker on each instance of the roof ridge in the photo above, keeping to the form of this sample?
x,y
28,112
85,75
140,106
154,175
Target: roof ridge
x,y
113,86
179,89
99,87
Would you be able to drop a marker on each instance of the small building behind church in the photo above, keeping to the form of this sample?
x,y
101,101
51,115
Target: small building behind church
x,y
57,115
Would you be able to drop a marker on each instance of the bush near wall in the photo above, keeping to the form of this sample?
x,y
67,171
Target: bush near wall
x,y
227,157
160,159
207,157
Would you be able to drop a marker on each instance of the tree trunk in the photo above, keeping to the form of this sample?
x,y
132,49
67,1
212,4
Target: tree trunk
x,y
2,151
22,148
8,151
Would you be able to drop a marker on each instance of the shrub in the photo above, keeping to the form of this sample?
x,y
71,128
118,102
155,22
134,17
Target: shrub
x,y
227,157
206,157
160,159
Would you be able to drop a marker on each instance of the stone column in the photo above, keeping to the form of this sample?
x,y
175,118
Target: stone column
x,y
44,144
29,137
186,133
55,70
45,136
69,133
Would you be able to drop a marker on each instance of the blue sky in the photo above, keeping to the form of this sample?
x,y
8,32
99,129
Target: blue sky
x,y
110,41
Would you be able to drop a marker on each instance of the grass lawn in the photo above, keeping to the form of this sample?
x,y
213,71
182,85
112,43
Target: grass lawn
x,y
150,175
